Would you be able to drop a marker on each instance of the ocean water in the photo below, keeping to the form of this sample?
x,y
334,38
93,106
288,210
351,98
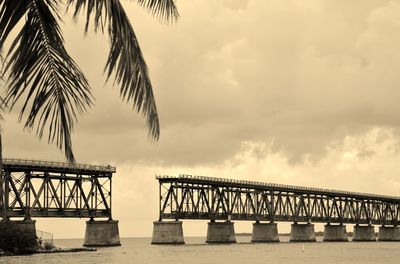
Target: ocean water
x,y
139,250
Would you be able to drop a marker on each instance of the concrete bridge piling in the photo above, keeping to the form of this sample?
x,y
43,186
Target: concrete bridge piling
x,y
221,232
265,232
364,233
335,233
171,232
302,233
167,232
102,233
98,233
27,226
389,233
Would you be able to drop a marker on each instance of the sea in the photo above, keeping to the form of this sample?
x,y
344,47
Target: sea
x,y
140,251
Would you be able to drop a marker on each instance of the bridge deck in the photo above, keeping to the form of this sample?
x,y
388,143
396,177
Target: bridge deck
x,y
54,166
185,178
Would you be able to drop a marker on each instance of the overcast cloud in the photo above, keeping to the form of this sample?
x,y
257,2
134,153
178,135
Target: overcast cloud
x,y
296,74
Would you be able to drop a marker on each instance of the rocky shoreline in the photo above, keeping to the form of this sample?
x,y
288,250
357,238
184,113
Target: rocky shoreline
x,y
48,251
65,250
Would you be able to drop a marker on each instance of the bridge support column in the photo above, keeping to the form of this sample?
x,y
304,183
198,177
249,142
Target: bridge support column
x,y
364,233
389,233
27,226
265,232
167,232
102,234
302,233
221,232
335,233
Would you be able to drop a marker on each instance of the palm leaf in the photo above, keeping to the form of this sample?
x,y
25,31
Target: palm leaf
x,y
11,12
3,107
53,88
125,59
163,9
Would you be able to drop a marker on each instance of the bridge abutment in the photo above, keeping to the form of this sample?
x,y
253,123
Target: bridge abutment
x,y
167,232
335,233
102,234
265,232
221,232
27,226
364,233
389,233
302,233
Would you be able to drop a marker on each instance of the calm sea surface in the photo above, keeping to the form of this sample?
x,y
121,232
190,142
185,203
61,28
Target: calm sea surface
x,y
139,250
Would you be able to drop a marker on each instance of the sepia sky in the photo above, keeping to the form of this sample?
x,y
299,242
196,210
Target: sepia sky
x,y
284,91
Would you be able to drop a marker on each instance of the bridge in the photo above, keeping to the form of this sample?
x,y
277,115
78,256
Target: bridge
x,y
35,189
219,199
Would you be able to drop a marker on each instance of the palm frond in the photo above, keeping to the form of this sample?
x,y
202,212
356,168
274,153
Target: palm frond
x,y
3,107
125,59
11,12
162,9
98,7
45,77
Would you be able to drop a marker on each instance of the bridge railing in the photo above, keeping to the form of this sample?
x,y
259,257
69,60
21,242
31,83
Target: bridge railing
x,y
273,185
56,164
44,238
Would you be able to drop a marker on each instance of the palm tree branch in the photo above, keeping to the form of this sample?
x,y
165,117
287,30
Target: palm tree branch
x,y
11,12
162,9
54,89
125,60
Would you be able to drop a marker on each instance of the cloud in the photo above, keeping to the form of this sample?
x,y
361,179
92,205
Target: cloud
x,y
296,76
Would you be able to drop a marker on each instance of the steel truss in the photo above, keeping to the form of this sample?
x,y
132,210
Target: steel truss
x,y
33,190
190,197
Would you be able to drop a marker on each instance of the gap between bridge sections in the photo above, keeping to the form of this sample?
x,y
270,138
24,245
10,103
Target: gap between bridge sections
x,y
222,201
35,188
